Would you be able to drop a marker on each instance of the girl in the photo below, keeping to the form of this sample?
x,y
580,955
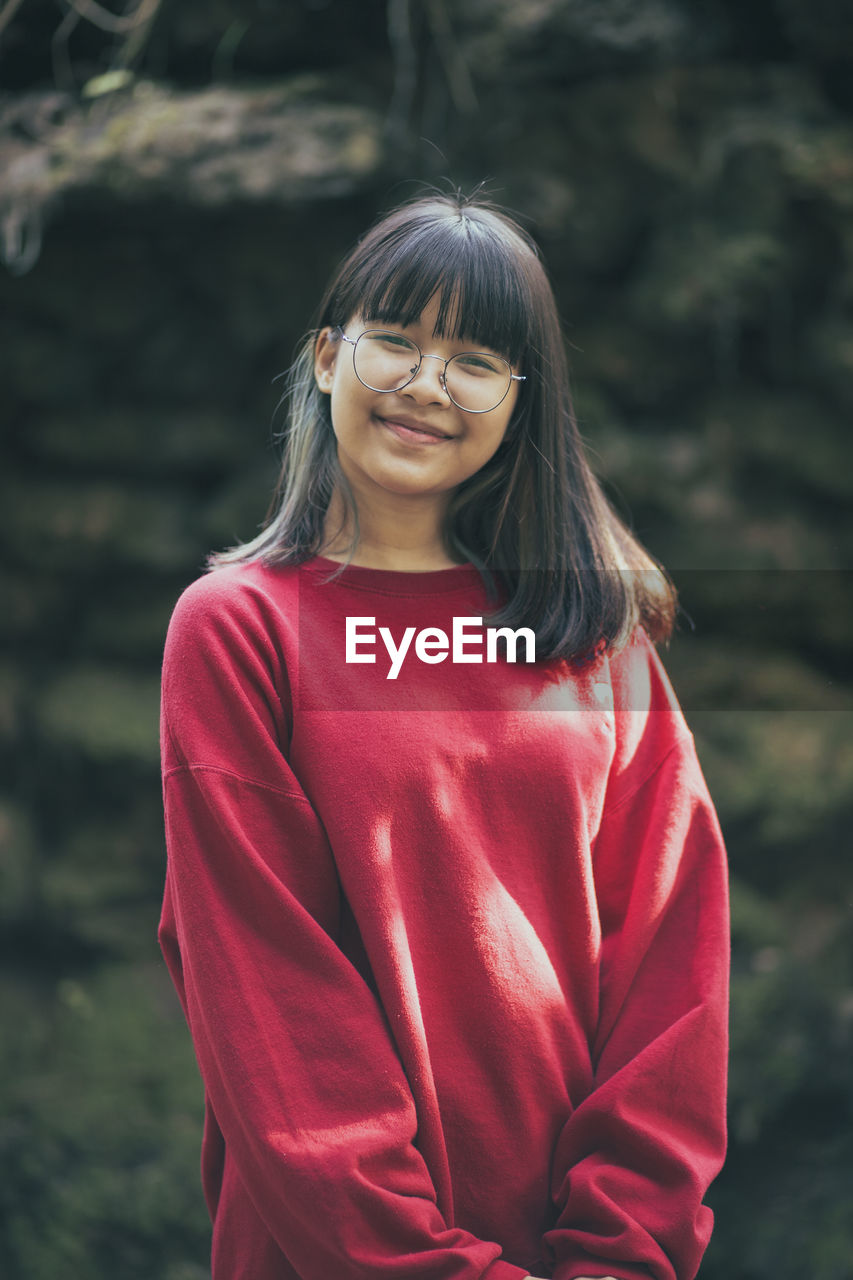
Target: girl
x,y
446,898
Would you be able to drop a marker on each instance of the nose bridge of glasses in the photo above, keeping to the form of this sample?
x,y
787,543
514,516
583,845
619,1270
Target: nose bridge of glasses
x,y
425,355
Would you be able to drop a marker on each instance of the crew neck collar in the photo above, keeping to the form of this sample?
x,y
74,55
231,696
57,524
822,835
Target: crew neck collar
x,y
407,581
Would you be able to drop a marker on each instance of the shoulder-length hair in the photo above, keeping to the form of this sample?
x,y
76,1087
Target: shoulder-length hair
x,y
534,519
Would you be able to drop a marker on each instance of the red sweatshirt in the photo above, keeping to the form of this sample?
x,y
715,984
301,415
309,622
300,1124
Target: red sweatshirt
x,y
452,944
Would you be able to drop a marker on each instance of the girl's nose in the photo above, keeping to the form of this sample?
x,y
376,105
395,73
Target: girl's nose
x,y
428,383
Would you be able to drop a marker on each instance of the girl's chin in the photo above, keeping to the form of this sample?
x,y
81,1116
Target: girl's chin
x,y
403,484
407,475
412,488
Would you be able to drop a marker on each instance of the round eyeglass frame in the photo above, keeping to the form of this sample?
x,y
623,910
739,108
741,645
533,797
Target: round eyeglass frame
x,y
424,355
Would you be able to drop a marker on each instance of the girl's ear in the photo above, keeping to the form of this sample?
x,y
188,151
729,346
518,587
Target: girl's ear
x,y
325,354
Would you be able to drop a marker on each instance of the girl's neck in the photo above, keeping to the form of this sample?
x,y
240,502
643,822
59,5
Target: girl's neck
x,y
413,545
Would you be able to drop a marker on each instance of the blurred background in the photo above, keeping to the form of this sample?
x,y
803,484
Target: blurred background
x,y
177,180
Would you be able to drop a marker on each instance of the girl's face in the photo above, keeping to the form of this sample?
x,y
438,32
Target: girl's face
x,y
413,442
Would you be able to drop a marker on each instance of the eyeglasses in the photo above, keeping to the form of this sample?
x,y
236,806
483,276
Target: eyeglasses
x,y
475,381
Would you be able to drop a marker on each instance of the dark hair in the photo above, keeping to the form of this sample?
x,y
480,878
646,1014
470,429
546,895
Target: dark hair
x,y
534,517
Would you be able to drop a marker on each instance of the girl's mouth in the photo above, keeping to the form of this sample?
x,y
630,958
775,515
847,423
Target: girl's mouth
x,y
411,431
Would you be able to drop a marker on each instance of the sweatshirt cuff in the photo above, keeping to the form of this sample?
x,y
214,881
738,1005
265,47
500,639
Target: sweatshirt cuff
x,y
593,1267
504,1271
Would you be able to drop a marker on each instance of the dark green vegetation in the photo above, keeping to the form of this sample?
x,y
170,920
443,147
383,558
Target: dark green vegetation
x,y
688,170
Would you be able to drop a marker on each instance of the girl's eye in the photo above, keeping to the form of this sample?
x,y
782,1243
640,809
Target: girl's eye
x,y
394,340
481,364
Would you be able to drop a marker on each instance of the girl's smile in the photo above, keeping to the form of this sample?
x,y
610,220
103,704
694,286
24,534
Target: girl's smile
x,y
412,430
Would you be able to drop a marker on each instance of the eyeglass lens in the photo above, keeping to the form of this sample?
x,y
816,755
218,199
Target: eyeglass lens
x,y
475,381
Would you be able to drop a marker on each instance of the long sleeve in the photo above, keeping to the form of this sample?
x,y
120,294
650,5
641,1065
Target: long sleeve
x,y
636,1156
299,1065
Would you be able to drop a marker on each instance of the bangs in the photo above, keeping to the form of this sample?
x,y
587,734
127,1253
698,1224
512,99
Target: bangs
x,y
476,269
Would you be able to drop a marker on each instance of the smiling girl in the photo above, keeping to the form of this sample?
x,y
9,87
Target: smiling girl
x,y
452,947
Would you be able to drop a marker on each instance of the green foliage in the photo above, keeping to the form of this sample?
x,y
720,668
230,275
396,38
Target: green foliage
x,y
102,713
101,1130
781,1210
